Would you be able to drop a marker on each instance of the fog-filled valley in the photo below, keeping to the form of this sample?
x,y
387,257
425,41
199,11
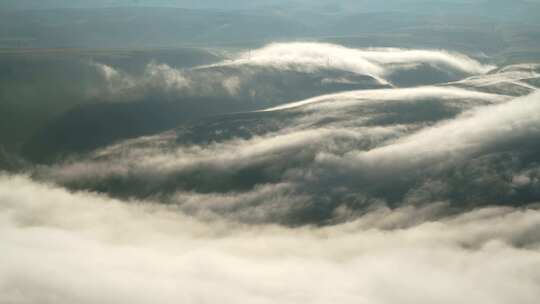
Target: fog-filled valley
x,y
269,151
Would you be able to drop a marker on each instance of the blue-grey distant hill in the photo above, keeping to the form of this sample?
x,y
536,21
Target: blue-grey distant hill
x,y
484,25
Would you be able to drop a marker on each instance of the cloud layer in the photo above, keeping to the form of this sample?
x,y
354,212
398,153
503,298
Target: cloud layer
x,y
330,159
275,71
377,63
298,172
62,247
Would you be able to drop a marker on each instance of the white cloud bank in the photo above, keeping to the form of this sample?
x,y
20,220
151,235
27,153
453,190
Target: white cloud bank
x,y
381,95
160,156
60,247
271,72
509,79
76,247
489,127
375,62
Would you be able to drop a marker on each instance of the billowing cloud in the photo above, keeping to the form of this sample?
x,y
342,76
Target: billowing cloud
x,y
282,72
155,156
382,95
297,172
229,155
262,85
480,129
67,247
377,63
326,165
511,79
155,76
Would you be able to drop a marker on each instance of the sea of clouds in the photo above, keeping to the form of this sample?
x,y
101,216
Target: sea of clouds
x,y
386,193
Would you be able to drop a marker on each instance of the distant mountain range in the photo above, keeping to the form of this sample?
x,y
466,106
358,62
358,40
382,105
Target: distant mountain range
x,y
133,24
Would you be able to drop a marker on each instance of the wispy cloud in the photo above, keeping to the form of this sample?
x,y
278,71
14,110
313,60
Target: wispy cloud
x,y
345,99
378,63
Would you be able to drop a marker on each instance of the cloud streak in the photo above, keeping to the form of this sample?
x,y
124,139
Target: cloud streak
x,y
382,95
282,72
378,63
483,128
